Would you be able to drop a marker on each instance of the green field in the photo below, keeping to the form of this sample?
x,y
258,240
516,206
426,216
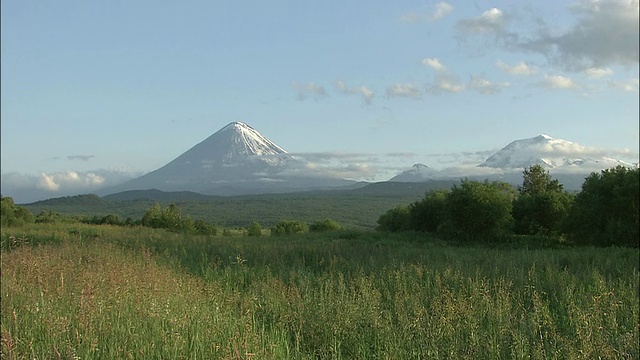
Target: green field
x,y
88,292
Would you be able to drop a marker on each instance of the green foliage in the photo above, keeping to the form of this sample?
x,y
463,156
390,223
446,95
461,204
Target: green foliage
x,y
204,228
288,227
48,217
536,180
541,214
542,204
254,229
110,219
396,219
12,214
170,218
349,208
606,211
325,225
479,211
138,292
427,214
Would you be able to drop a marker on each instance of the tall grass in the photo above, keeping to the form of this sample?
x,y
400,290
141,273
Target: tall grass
x,y
105,292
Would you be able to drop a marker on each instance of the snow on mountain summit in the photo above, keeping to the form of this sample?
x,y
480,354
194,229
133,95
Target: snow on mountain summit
x,y
547,151
243,140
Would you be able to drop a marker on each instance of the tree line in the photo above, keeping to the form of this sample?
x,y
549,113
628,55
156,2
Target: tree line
x,y
605,211
169,217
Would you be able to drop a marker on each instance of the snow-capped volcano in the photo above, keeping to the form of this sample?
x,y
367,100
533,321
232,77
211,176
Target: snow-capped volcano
x,y
236,142
549,152
237,159
239,139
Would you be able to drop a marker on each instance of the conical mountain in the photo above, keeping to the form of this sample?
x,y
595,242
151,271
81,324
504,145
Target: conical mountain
x,y
417,173
235,145
234,142
237,159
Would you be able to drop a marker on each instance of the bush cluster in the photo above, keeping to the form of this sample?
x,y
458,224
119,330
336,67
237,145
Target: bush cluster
x,y
288,227
604,212
171,218
12,214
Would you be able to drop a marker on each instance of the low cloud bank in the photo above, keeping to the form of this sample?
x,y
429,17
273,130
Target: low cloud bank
x,y
25,188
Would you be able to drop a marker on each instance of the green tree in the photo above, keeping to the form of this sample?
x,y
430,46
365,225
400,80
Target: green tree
x,y
606,211
172,218
536,180
542,204
47,217
396,219
153,217
169,218
428,213
254,229
12,214
479,211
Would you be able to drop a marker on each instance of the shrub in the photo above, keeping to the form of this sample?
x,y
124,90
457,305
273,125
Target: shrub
x,y
255,229
203,228
12,214
286,227
396,219
325,225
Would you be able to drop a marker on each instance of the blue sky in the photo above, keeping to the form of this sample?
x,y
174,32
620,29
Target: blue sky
x,y
96,92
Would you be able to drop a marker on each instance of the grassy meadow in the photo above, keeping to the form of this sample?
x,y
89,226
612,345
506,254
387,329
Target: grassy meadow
x,y
74,291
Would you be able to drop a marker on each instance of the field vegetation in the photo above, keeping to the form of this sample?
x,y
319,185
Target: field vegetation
x,y
87,291
158,287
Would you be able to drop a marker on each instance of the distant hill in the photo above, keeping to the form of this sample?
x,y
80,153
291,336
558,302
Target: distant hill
x,y
157,195
76,200
395,188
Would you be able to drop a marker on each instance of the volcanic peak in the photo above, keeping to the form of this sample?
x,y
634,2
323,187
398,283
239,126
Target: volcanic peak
x,y
243,140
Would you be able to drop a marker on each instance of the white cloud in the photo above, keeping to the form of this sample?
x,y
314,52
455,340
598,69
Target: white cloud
x,y
47,182
606,33
449,86
439,11
630,85
558,82
490,22
307,90
69,179
344,165
28,187
446,83
598,73
484,86
404,90
366,93
520,68
434,63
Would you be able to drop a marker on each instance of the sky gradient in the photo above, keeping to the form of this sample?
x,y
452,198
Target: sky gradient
x,y
95,93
